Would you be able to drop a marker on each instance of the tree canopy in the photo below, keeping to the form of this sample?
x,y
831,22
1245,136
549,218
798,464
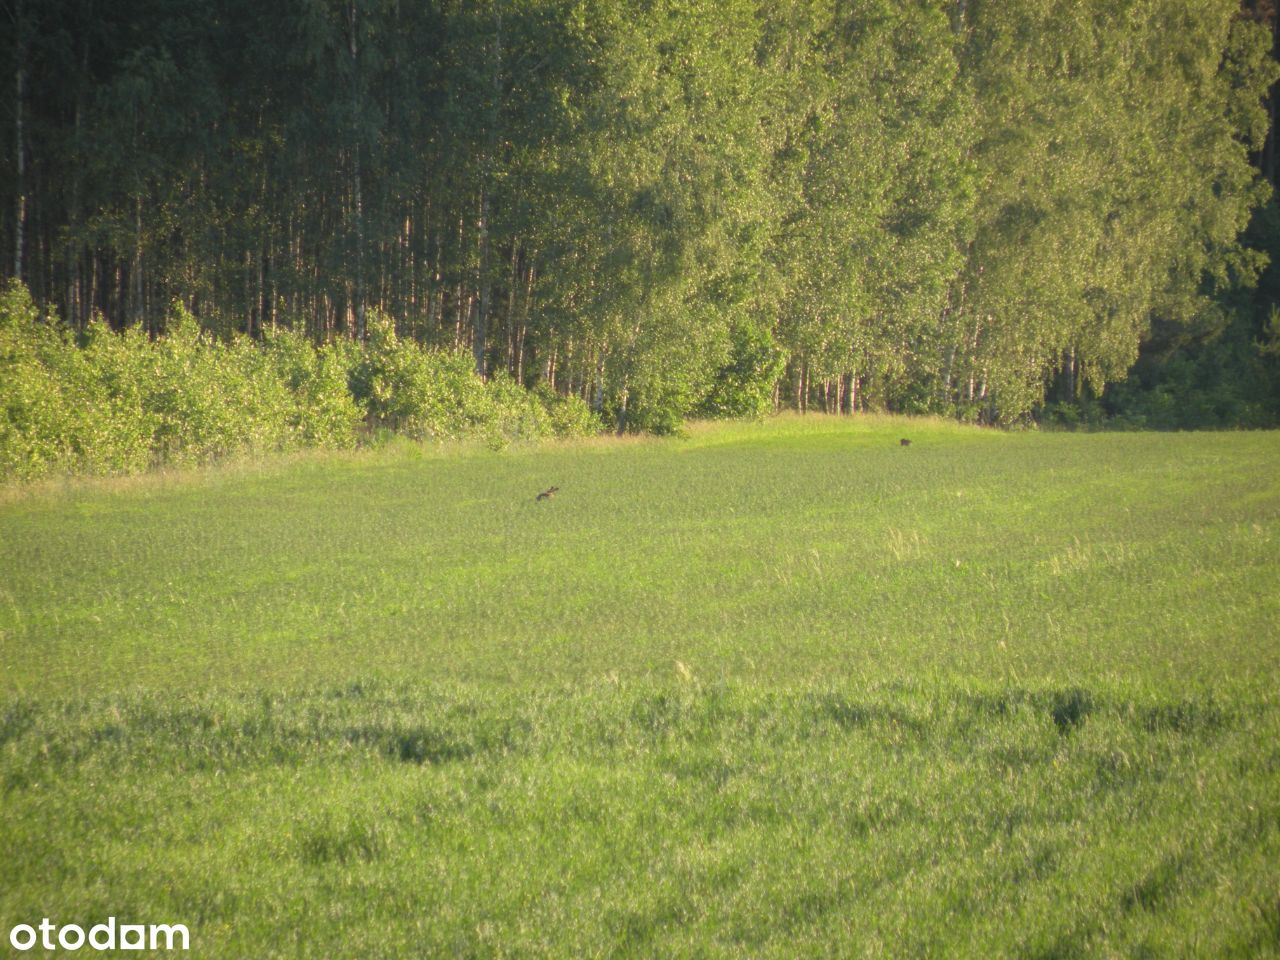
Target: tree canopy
x,y
670,208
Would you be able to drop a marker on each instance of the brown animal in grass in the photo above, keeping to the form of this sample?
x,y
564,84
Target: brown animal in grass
x,y
904,442
548,493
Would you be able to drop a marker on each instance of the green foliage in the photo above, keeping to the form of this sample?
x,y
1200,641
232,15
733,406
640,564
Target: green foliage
x,y
63,408
877,183
436,395
211,399
117,403
323,412
969,208
428,394
569,416
123,371
1206,377
743,387
1226,383
667,369
539,414
30,434
1114,190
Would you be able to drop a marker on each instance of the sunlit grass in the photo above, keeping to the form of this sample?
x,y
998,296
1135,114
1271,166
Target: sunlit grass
x,y
762,690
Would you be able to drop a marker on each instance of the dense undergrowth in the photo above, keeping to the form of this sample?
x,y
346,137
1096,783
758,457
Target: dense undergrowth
x,y
101,402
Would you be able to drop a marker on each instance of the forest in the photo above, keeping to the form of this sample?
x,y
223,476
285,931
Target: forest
x,y
997,211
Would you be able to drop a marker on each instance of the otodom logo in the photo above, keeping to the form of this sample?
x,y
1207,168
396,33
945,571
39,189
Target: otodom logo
x,y
101,936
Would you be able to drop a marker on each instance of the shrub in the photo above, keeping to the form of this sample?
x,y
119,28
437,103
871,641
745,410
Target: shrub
x,y
322,412
211,399
569,416
58,409
124,428
31,434
518,414
437,395
119,402
428,394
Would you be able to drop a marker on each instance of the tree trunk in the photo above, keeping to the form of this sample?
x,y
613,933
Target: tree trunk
x,y
597,396
93,281
1267,157
622,408
486,173
75,310
458,302
512,284
480,327
248,293
20,196
135,269
356,195
524,316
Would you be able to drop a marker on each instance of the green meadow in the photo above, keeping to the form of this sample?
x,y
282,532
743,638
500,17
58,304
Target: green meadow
x,y
764,690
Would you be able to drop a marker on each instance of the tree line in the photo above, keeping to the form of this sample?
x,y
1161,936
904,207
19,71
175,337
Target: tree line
x,y
983,208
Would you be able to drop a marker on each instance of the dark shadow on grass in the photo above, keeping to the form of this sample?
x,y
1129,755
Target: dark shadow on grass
x,y
1157,887
429,746
1070,708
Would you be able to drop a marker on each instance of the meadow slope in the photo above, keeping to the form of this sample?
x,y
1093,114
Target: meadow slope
x,y
765,690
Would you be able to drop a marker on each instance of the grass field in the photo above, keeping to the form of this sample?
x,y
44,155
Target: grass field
x,y
769,690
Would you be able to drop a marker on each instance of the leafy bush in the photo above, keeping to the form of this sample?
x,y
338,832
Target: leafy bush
x,y
517,414
119,402
569,416
32,434
58,406
428,394
322,413
437,395
1084,413
212,399
1222,384
125,427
